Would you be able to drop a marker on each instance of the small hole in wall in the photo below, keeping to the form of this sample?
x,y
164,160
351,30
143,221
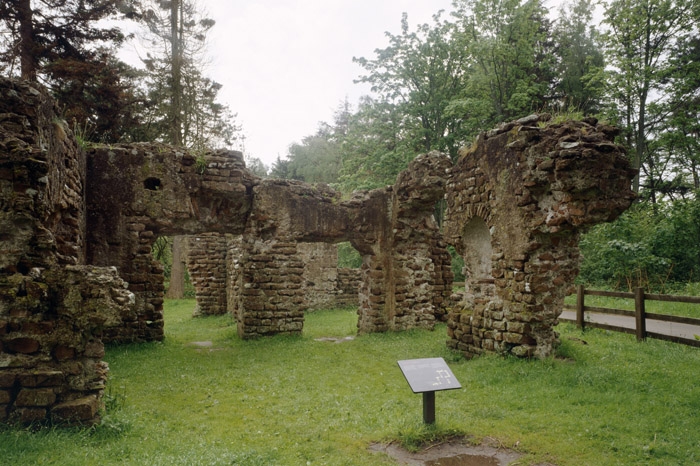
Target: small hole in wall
x,y
152,184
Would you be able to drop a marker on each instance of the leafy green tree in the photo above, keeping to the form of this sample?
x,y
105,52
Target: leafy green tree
x,y
183,107
256,166
680,134
578,58
640,36
419,74
280,169
511,60
650,246
373,151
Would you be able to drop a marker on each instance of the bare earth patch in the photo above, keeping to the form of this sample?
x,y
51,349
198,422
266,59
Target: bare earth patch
x,y
452,453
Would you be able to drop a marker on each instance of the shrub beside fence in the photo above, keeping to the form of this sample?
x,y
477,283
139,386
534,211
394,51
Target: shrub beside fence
x,y
640,314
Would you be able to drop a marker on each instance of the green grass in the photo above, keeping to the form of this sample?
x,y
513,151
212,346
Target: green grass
x,y
298,401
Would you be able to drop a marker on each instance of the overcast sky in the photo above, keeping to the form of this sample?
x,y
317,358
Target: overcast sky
x,y
286,65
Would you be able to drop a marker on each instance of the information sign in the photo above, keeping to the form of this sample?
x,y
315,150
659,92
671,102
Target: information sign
x,y
428,375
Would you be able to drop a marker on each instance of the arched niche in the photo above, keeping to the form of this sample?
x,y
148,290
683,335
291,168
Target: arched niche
x,y
477,254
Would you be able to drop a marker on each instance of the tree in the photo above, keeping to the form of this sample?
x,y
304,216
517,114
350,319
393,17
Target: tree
x,y
420,73
511,60
680,133
578,58
373,151
640,37
184,108
56,35
66,45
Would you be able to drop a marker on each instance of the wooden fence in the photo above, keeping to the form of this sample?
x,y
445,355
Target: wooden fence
x,y
640,314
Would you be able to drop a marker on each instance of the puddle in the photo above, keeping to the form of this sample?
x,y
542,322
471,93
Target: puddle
x,y
464,460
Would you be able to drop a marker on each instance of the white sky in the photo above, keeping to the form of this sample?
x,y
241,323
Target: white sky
x,y
286,65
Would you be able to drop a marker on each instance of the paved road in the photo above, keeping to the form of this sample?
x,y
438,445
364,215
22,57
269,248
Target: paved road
x,y
656,326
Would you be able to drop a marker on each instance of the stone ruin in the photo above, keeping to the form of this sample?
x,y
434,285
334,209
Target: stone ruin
x,y
517,201
77,226
213,259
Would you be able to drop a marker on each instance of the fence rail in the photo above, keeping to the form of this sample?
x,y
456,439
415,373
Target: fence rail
x,y
640,315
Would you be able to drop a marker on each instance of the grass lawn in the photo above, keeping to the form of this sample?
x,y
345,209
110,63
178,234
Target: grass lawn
x,y
298,401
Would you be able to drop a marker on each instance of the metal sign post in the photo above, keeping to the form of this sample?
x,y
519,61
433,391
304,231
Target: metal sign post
x,y
428,376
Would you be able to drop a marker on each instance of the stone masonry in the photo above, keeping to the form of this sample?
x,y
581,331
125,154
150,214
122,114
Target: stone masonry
x,y
53,308
77,227
517,200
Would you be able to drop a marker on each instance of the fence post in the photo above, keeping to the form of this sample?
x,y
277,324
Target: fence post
x,y
580,306
640,314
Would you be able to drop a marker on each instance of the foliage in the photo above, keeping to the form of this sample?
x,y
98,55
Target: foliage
x,y
293,400
70,47
638,42
348,257
457,264
578,58
418,74
645,247
511,69
182,102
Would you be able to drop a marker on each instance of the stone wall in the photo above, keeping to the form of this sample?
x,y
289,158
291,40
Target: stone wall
x,y
207,262
53,308
517,200
347,287
138,192
76,232
406,274
51,324
320,274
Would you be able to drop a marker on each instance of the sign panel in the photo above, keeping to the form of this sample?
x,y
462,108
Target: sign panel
x,y
428,375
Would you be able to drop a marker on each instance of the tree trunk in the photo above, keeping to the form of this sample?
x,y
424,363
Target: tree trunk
x,y
176,290
176,87
26,34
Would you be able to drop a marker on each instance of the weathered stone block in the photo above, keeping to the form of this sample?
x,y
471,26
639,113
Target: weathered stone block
x,y
82,410
41,379
7,379
35,397
24,345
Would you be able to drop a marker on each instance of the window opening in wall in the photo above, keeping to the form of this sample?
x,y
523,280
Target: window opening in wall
x,y
152,184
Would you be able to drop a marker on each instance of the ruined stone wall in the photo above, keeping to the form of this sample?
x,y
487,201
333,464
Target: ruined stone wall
x,y
347,287
517,200
53,308
51,324
42,219
138,192
320,275
406,274
272,296
234,277
207,262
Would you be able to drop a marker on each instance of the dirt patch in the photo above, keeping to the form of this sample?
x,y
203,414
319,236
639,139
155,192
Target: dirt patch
x,y
336,339
453,453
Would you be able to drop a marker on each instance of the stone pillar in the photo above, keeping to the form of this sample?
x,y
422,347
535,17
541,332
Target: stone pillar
x,y
348,287
272,296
